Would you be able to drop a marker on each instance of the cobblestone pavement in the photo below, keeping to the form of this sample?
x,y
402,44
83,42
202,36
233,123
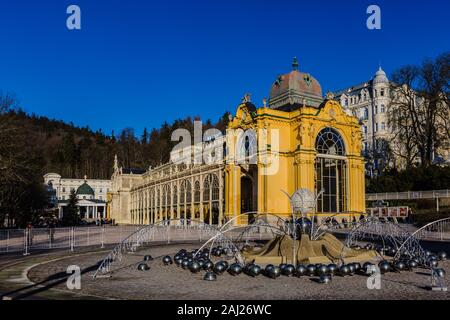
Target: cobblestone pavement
x,y
172,282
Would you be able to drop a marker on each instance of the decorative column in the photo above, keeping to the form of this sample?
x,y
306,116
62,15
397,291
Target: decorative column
x,y
192,198
149,195
200,207
178,199
160,211
221,191
152,205
171,200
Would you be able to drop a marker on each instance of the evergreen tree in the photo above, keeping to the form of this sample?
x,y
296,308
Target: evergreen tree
x,y
71,215
144,139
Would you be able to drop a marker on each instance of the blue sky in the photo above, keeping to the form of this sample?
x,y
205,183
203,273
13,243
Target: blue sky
x,y
139,63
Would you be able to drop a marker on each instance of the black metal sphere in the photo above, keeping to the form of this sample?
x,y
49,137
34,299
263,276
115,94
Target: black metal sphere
x,y
344,270
274,272
392,252
268,270
235,269
366,266
428,253
323,270
282,266
194,266
167,260
210,276
225,264
384,266
219,268
412,264
440,273
400,265
143,266
269,266
254,271
442,256
325,278
311,269
301,270
208,265
247,267
333,269
148,257
178,261
432,263
185,263
289,270
351,268
357,266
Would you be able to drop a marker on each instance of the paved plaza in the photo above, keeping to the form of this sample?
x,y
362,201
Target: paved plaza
x,y
45,277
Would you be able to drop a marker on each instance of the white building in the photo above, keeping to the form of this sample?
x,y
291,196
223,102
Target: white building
x,y
369,101
91,194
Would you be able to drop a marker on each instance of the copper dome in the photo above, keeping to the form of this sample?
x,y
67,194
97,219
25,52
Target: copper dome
x,y
295,89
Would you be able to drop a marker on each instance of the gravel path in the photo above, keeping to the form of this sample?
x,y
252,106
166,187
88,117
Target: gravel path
x,y
172,282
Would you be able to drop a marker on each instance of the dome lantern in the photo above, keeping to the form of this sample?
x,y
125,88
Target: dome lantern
x,y
380,76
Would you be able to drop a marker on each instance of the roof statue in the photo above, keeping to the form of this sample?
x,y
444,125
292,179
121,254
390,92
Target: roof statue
x,y
246,98
116,164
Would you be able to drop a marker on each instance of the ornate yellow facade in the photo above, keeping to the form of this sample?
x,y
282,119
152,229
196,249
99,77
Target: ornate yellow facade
x,y
297,155
302,141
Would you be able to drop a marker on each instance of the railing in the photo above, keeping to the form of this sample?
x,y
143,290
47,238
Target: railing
x,y
167,231
36,239
408,195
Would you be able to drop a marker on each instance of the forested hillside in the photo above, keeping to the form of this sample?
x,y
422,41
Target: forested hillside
x,y
32,145
74,151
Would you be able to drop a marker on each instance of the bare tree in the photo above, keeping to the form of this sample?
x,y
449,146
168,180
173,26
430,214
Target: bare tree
x,y
18,168
419,110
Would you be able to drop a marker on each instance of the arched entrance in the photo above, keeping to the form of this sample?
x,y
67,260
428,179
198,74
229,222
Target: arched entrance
x,y
331,172
246,194
249,192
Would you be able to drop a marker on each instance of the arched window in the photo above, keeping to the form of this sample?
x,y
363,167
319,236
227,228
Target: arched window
x,y
165,194
215,188
330,142
169,195
183,193
206,188
197,191
175,191
331,172
188,192
158,202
